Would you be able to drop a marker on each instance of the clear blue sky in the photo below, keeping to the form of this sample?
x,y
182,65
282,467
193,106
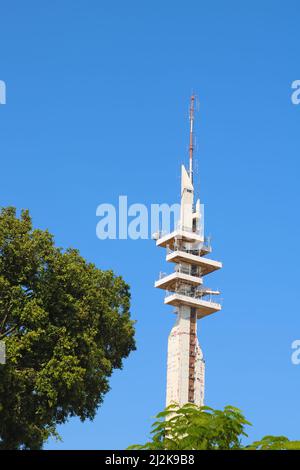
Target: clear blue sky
x,y
97,96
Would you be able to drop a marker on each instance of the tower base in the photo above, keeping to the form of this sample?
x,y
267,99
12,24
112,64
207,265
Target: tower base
x,y
186,366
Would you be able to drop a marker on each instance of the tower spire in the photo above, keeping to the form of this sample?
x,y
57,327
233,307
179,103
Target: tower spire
x,y
191,146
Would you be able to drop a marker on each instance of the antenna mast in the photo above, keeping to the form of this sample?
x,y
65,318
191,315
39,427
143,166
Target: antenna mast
x,y
191,147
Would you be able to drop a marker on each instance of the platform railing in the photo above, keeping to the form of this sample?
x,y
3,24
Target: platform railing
x,y
205,247
180,227
195,294
189,270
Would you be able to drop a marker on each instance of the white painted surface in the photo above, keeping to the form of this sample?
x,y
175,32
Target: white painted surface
x,y
178,359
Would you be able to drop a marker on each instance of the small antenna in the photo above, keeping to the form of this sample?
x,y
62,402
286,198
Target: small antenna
x,y
191,146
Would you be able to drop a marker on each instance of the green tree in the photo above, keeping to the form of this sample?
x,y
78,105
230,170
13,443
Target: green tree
x,y
66,326
202,428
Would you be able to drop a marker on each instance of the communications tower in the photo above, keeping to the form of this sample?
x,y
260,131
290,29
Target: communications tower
x,y
187,250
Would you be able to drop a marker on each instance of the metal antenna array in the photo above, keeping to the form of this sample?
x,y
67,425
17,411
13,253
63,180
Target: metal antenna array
x,y
191,146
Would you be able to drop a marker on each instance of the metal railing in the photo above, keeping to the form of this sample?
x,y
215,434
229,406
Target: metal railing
x,y
162,275
195,293
179,226
183,228
179,268
204,248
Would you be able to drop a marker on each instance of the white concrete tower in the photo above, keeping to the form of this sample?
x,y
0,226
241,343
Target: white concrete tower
x,y
187,249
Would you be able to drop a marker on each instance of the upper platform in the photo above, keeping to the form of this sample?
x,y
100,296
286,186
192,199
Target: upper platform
x,y
182,234
207,265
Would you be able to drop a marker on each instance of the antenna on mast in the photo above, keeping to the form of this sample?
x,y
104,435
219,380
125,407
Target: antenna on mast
x,y
191,146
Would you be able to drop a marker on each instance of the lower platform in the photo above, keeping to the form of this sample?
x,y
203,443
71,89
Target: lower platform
x,y
203,307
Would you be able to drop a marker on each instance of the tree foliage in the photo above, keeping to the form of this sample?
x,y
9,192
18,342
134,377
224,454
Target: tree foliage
x,y
190,427
274,443
202,428
66,326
